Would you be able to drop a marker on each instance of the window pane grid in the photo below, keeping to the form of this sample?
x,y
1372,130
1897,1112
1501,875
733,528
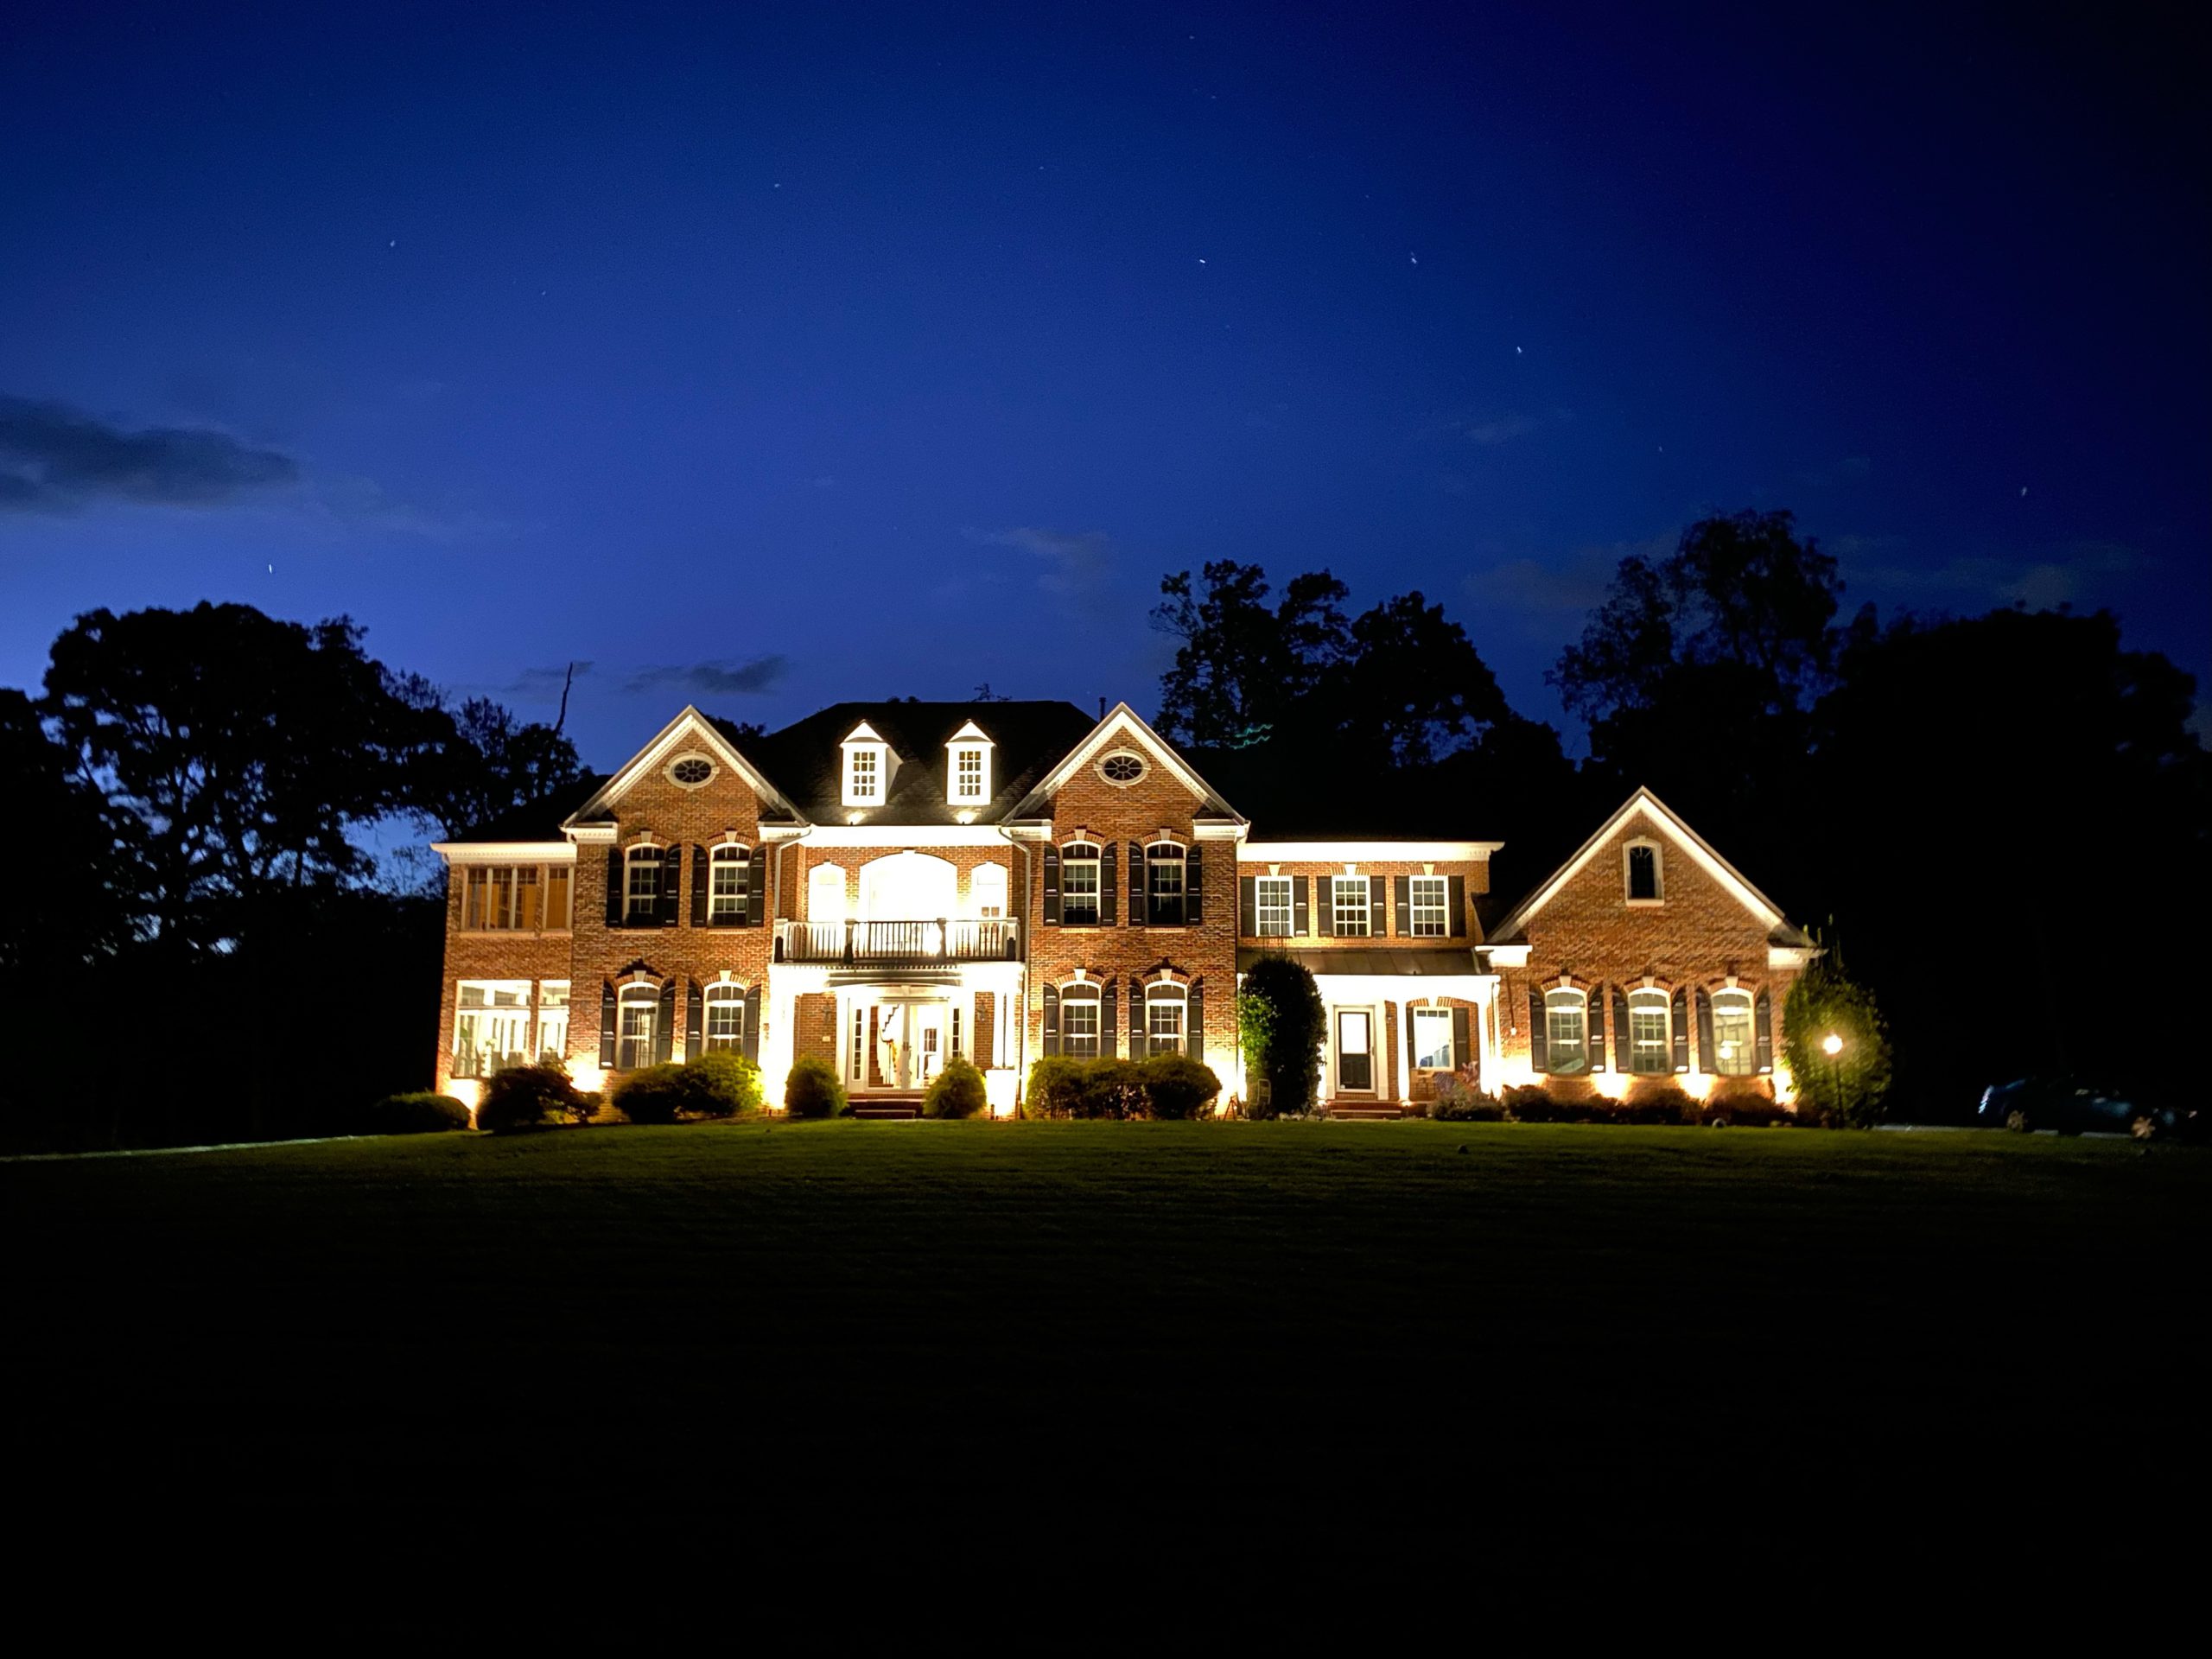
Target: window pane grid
x,y
1271,903
1079,884
1732,1055
1433,1039
1429,918
1164,886
1079,1027
1350,906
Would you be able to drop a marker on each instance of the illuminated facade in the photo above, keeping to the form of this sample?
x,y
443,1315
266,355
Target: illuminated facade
x,y
888,885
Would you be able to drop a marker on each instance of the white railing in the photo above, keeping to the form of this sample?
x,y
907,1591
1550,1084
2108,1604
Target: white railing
x,y
898,944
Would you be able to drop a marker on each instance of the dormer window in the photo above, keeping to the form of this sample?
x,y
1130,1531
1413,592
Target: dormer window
x,y
867,767
968,767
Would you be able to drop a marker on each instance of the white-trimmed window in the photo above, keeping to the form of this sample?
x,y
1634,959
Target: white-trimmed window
x,y
1566,1046
1649,1036
825,893
636,1015
491,1025
1163,884
552,1021
987,891
1432,1040
867,767
1079,884
725,1025
1348,906
1080,1022
1429,899
728,887
1271,905
1734,1053
526,898
1165,1007
641,883
1641,872
971,774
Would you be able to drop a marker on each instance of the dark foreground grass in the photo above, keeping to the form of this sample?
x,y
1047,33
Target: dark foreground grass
x,y
1420,1336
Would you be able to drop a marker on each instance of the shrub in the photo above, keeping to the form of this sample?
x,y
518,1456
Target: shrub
x,y
956,1091
1530,1103
655,1095
722,1085
528,1097
1746,1110
1846,1088
416,1114
1055,1086
1459,1101
813,1088
1283,1018
1177,1086
1655,1103
1110,1088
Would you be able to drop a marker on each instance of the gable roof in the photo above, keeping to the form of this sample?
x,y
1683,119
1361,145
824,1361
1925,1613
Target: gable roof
x,y
1511,927
1125,723
1026,737
695,728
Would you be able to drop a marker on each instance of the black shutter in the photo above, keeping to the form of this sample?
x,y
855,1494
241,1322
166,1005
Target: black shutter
x,y
1194,886
1137,885
1052,917
1301,905
1109,1016
753,884
1539,1060
1623,1049
1052,1020
614,899
1455,906
1110,887
664,1028
606,1015
1409,1048
1138,1048
1247,906
1462,1049
1681,1024
1404,896
1195,1017
1378,906
698,887
672,884
1763,1030
695,1022
1704,1029
1327,885
752,1005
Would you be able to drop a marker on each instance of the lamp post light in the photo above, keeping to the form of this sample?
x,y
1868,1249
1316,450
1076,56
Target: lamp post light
x,y
1831,1045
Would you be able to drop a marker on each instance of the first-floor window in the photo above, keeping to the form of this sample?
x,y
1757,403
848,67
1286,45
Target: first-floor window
x,y
491,1025
1271,903
1433,1039
725,1017
727,886
1430,919
1349,908
639,1007
1566,1046
1733,1054
1163,1021
1648,1034
1079,1024
552,1021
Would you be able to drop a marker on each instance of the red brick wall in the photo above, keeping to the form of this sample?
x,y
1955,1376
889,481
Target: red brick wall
x,y
1475,872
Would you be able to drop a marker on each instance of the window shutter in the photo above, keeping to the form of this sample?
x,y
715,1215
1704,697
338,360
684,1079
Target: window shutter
x,y
664,1027
672,884
1301,905
1623,1044
1763,1030
1109,892
698,887
1680,1025
1461,1047
1110,1018
1403,922
1539,1060
752,1006
607,1025
1378,906
1138,1048
1052,1020
1410,1051
1194,886
1052,893
1705,1029
1247,906
614,895
1455,906
695,1022
1328,885
753,883
1137,885
1194,1018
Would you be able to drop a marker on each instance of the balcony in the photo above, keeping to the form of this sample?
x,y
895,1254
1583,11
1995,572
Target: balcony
x,y
898,944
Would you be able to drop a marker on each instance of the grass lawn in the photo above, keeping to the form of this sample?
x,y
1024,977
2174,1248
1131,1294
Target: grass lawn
x,y
1415,1330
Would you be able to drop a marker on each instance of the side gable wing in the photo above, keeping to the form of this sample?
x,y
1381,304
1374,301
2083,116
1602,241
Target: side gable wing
x,y
1123,725
688,729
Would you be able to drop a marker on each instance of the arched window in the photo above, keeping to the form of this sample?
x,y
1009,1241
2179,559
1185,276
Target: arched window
x,y
1079,1027
1163,884
1566,1033
1079,884
641,885
987,890
725,1017
825,893
1649,1037
1734,1054
639,1008
1641,874
730,884
1165,1028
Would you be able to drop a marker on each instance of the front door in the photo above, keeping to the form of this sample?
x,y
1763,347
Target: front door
x,y
1355,1056
927,1058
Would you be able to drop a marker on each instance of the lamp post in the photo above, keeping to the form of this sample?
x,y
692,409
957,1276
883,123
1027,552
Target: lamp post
x,y
1831,1045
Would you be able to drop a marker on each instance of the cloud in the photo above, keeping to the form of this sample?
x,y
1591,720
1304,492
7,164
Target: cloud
x,y
1078,565
714,679
2044,581
540,684
1531,585
56,459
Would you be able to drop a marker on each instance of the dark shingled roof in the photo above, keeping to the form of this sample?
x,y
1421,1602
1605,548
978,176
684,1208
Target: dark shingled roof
x,y
541,819
805,761
1405,961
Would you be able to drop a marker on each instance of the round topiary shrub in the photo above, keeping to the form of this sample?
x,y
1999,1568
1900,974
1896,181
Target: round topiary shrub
x,y
722,1085
956,1091
1111,1088
1055,1086
813,1088
528,1097
421,1113
1177,1086
655,1095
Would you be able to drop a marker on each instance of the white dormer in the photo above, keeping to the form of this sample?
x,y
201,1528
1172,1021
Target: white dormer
x,y
867,767
967,779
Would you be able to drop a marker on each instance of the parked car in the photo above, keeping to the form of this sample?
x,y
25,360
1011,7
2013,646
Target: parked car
x,y
2071,1107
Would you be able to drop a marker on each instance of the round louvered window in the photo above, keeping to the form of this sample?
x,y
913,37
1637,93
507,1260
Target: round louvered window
x,y
1122,767
692,771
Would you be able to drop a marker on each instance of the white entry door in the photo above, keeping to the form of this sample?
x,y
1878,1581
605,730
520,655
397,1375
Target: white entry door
x,y
1355,1052
927,1056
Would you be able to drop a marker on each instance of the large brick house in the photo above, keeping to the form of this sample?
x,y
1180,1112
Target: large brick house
x,y
885,885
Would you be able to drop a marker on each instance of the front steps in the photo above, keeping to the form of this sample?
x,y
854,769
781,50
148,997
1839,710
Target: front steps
x,y
897,1108
1365,1111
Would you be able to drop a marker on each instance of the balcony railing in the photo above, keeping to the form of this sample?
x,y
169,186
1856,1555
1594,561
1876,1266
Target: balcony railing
x,y
898,944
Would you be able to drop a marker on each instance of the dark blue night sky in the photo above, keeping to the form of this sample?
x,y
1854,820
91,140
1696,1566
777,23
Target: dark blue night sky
x,y
761,356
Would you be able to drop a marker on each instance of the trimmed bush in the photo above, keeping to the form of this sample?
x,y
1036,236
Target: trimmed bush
x,y
1110,1088
813,1088
655,1095
723,1084
528,1097
1745,1110
1459,1102
1528,1102
422,1113
955,1092
1177,1086
1055,1086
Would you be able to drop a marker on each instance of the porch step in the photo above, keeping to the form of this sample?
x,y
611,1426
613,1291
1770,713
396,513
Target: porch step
x,y
1365,1110
890,1106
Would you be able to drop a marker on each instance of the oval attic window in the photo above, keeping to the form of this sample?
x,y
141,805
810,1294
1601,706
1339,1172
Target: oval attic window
x,y
1122,767
692,771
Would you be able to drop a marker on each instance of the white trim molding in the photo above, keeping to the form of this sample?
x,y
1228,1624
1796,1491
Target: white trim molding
x,y
1125,724
1371,852
507,852
690,724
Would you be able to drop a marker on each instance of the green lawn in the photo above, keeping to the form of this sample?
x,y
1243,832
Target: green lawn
x,y
1361,1323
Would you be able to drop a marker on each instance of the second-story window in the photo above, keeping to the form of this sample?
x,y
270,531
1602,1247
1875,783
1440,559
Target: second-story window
x,y
1426,894
727,887
986,886
641,885
1349,906
971,774
524,897
1079,884
866,782
1163,884
1271,905
1644,874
